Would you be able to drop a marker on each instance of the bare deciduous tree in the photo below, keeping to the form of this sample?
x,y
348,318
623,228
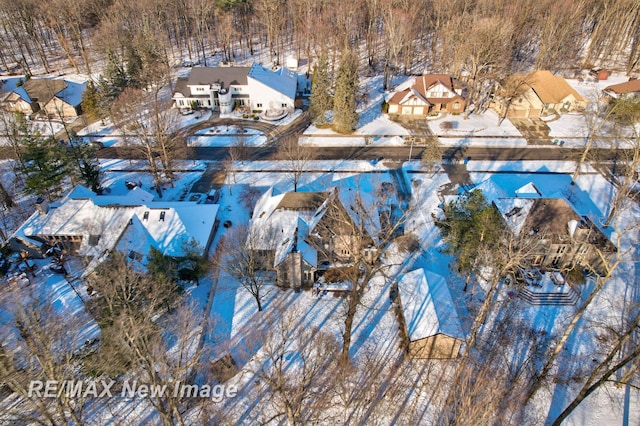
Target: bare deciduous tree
x,y
296,157
246,261
298,367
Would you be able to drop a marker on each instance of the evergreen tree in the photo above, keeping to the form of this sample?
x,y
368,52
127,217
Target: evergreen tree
x,y
45,166
470,226
320,100
112,81
86,168
91,102
345,117
133,68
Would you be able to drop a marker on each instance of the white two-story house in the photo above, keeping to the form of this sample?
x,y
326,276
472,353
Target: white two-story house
x,y
223,88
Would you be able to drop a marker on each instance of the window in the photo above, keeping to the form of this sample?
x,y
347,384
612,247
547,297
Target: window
x,y
162,216
93,240
561,249
258,105
145,216
134,255
456,105
284,105
308,275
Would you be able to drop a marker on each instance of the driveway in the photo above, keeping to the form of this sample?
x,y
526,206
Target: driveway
x,y
534,130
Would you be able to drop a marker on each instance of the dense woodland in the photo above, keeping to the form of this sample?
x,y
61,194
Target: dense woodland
x,y
478,39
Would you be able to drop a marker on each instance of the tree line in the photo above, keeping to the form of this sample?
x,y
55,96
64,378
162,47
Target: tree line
x,y
479,38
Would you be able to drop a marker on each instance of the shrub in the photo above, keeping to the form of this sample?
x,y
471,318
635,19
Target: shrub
x,y
446,125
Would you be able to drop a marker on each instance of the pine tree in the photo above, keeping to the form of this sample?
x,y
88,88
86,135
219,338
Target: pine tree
x,y
91,102
134,68
320,100
112,81
470,225
345,117
45,166
86,168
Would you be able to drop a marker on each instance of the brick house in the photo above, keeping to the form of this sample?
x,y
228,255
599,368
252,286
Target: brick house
x,y
429,93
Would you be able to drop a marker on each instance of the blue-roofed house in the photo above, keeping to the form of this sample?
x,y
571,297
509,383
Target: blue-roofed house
x,y
68,101
18,100
222,88
57,98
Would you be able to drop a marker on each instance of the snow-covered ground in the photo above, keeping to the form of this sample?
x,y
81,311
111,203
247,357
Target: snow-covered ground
x,y
485,124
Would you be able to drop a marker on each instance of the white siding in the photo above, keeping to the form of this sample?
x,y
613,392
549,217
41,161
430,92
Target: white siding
x,y
267,97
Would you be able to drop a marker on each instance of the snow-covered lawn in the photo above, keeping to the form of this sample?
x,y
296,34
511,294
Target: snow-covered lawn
x,y
227,136
117,172
485,124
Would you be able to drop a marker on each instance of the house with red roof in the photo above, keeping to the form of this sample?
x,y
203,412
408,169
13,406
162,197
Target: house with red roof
x,y
627,89
429,93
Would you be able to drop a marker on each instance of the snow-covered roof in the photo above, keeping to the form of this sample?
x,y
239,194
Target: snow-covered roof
x,y
19,90
135,197
529,190
428,306
283,80
168,227
133,219
72,94
282,223
514,211
499,186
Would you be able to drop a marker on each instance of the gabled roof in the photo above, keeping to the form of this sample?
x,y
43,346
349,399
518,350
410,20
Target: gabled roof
x,y
22,94
165,226
283,222
421,86
42,90
72,93
428,307
551,89
631,86
427,81
284,80
224,76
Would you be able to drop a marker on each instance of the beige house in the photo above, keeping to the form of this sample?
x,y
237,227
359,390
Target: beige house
x,y
430,317
429,93
57,98
296,233
537,94
565,239
628,89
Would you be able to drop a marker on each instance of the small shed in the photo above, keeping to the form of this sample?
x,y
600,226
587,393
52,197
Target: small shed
x,y
431,319
599,73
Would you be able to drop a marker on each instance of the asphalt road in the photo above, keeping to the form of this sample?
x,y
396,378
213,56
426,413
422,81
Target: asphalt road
x,y
398,153
368,153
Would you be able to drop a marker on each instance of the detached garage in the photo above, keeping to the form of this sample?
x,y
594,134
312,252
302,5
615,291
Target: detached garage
x,y
431,319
